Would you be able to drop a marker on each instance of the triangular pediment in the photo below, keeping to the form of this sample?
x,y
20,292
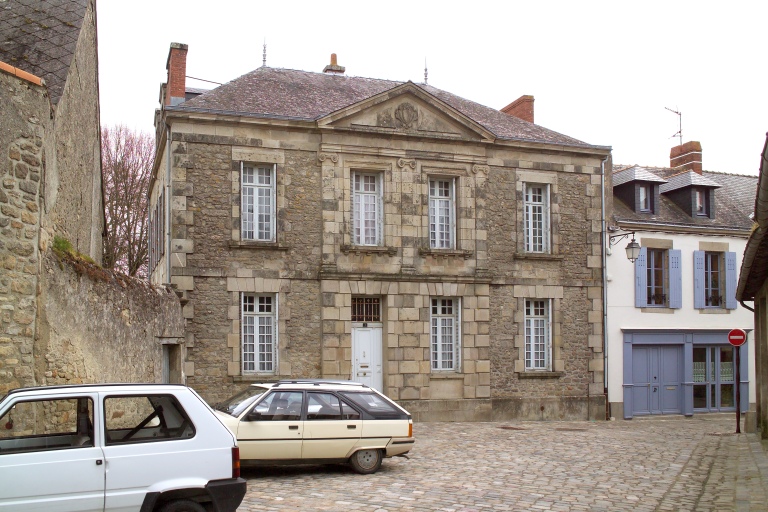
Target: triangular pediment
x,y
409,110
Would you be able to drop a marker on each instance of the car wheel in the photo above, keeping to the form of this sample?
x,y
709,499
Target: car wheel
x,y
366,462
183,506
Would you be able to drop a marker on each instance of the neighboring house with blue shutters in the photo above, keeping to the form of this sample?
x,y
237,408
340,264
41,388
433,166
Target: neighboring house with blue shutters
x,y
669,311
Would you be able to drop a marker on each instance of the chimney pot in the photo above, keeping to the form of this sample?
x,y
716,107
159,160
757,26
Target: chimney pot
x,y
333,68
522,108
687,156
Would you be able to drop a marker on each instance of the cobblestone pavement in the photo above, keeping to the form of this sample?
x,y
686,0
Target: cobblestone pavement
x,y
655,464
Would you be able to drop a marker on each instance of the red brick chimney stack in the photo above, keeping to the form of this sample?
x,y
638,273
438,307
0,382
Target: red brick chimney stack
x,y
687,156
177,74
333,68
522,108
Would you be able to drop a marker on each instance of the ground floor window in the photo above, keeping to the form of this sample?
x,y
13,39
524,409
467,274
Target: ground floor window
x,y
259,334
537,334
444,334
713,378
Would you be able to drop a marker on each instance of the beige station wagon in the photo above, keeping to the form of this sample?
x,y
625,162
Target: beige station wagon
x,y
317,421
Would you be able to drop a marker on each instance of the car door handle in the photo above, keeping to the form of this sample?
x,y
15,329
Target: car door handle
x,y
99,462
352,427
293,427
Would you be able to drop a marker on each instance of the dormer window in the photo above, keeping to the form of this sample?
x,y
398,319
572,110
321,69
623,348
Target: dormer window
x,y
644,199
700,202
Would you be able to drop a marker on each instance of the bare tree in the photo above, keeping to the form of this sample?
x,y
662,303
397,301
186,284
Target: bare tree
x,y
126,165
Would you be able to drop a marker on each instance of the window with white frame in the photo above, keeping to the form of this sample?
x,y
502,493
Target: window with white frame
x,y
537,334
442,195
258,333
536,214
444,334
257,202
366,209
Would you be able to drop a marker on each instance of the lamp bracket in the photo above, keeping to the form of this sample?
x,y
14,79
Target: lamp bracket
x,y
615,239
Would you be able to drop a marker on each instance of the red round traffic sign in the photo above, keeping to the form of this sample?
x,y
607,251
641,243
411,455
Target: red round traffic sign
x,y
737,337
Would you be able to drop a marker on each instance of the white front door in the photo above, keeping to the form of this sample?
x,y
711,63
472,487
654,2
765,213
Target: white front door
x,y
366,356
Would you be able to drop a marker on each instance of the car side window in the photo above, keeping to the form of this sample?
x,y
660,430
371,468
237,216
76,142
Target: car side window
x,y
326,406
280,406
41,425
146,418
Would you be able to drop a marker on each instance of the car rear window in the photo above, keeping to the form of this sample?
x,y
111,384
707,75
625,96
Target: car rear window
x,y
374,404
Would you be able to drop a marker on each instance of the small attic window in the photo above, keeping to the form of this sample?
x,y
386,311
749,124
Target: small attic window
x,y
644,198
701,202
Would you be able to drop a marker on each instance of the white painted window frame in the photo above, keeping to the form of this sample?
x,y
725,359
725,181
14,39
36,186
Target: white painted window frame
x,y
437,202
258,364
533,362
250,196
360,236
438,361
537,229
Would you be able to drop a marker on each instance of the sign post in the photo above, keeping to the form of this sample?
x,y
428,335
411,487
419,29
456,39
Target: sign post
x,y
737,337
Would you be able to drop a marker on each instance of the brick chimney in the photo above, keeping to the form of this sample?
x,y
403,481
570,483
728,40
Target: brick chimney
x,y
333,68
522,108
177,71
687,156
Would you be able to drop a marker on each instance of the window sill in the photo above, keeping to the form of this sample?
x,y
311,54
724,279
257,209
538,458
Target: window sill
x,y
445,374
274,246
255,377
537,374
663,310
714,311
537,256
368,249
450,253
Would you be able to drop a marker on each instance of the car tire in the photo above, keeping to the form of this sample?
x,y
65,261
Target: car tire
x,y
366,462
183,506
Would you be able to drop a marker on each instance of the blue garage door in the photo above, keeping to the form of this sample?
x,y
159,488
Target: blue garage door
x,y
657,376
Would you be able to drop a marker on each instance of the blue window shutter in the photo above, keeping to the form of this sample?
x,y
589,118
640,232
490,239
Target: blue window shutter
x,y
641,294
730,280
698,280
675,279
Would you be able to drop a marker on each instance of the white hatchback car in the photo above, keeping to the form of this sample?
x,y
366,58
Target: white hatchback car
x,y
115,447
317,421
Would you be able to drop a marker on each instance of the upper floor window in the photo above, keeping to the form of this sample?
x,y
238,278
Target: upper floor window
x,y
257,202
444,334
536,217
658,279
258,333
714,280
537,334
442,194
644,199
366,209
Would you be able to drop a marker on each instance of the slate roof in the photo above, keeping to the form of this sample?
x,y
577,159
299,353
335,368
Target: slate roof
x,y
734,201
687,179
302,95
40,36
635,173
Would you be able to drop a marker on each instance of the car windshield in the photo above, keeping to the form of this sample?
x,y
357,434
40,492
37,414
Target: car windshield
x,y
238,403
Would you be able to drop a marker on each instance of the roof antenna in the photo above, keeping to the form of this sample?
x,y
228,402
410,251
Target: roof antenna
x,y
425,71
679,133
264,57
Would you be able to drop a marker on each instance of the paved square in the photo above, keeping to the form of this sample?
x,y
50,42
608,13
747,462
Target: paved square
x,y
654,464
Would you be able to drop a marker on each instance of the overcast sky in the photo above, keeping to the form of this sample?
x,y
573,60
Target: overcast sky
x,y
602,72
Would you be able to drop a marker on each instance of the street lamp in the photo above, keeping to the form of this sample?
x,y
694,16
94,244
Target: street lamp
x,y
633,248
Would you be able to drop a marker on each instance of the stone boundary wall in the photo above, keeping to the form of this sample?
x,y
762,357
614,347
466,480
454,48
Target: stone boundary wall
x,y
98,326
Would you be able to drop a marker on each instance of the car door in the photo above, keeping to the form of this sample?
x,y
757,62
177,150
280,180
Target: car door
x,y
50,457
273,429
332,427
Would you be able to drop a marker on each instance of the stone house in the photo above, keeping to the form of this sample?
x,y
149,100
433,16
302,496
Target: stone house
x,y
57,326
753,286
669,311
324,225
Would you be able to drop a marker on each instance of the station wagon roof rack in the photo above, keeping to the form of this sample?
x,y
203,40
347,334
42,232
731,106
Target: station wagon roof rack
x,y
318,382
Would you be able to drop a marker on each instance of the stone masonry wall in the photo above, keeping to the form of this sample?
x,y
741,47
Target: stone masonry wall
x,y
25,114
